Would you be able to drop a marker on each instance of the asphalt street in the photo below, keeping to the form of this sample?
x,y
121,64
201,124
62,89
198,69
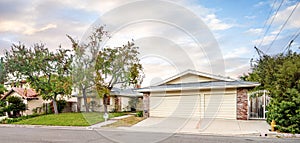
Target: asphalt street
x,y
48,135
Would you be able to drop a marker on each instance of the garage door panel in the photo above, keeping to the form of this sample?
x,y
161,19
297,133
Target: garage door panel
x,y
175,106
220,106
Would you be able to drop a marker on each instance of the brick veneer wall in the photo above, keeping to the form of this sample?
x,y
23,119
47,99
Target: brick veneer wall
x,y
242,104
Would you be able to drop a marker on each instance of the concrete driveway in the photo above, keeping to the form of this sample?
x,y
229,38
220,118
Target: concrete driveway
x,y
202,126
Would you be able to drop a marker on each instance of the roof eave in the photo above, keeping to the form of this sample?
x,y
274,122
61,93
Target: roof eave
x,y
195,88
195,73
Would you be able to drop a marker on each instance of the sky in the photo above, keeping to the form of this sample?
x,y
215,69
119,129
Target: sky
x,y
213,36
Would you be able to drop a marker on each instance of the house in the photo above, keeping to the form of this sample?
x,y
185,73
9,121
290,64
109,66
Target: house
x,y
33,101
194,94
119,100
29,97
71,104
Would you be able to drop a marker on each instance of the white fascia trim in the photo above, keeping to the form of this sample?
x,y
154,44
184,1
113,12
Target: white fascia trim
x,y
194,88
195,73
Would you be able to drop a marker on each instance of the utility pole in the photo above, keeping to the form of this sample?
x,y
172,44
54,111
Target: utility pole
x,y
259,52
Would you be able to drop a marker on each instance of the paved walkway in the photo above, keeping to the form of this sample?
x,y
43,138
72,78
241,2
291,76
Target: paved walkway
x,y
2,117
110,121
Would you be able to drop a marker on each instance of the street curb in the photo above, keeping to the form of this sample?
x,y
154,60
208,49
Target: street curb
x,y
287,135
44,127
216,134
268,134
280,135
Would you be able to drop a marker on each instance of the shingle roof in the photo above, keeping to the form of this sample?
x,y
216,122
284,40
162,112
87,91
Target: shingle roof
x,y
199,85
125,92
194,72
25,93
117,92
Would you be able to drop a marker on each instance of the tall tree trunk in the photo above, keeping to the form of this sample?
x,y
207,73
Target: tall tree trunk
x,y
55,106
85,100
117,104
105,100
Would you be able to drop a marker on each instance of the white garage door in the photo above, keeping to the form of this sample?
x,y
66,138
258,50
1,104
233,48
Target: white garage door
x,y
196,106
220,106
184,106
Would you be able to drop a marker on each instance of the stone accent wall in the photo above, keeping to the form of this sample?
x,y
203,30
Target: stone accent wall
x,y
242,104
146,105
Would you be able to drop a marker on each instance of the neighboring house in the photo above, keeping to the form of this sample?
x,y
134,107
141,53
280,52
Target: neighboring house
x,y
32,100
193,94
22,84
71,105
29,97
119,100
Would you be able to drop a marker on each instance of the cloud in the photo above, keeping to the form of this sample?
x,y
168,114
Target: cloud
x,y
99,6
254,31
214,23
237,52
23,28
250,16
49,22
32,30
240,68
261,3
281,17
208,15
279,20
266,40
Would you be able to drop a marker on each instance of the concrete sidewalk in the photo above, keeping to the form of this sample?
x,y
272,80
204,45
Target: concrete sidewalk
x,y
205,126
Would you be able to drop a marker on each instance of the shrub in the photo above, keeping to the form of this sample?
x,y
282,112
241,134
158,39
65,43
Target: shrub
x,y
280,75
139,113
61,105
12,120
2,108
16,105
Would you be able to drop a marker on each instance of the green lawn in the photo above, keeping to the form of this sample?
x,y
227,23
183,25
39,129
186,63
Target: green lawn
x,y
68,119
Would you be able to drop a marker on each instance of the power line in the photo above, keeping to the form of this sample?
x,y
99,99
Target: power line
x,y
282,26
266,21
292,39
259,52
270,23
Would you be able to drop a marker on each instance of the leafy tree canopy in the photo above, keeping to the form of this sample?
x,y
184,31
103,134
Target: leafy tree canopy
x,y
48,72
2,71
118,65
16,105
280,75
2,89
83,73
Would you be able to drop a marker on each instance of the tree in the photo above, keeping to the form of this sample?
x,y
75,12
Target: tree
x,y
280,75
2,107
2,71
2,77
15,105
117,66
83,74
2,89
47,72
